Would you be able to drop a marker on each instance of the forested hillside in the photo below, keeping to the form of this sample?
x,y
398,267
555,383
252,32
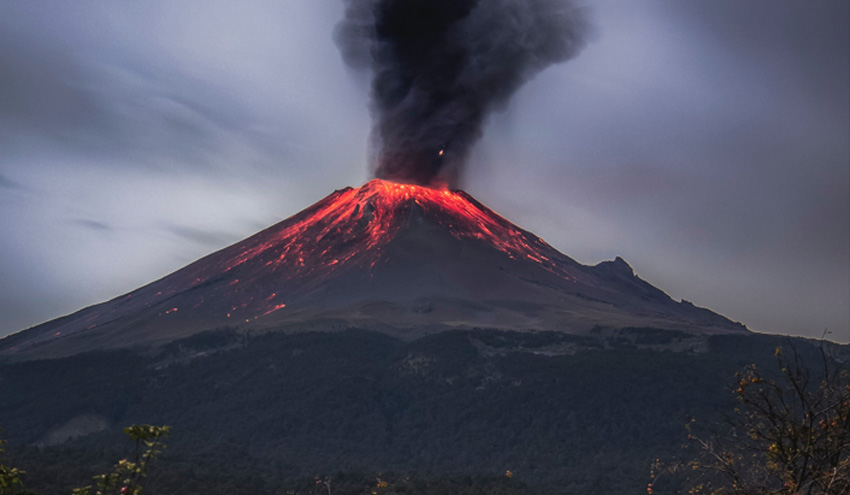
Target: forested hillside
x,y
264,413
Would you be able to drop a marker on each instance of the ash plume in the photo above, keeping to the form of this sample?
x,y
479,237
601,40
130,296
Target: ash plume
x,y
439,67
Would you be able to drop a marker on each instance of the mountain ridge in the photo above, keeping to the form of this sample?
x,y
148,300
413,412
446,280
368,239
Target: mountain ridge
x,y
408,259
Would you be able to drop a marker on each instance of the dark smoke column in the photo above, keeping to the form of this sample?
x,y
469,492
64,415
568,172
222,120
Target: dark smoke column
x,y
440,66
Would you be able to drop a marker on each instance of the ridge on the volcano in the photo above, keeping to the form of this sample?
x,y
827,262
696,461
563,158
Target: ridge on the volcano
x,y
403,259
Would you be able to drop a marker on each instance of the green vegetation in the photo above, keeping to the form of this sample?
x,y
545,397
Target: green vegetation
x,y
788,434
11,479
453,412
124,479
392,484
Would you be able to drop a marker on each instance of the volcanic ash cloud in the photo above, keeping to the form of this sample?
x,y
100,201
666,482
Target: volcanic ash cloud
x,y
439,67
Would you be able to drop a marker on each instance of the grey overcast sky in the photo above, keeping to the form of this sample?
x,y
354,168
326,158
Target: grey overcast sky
x,y
706,142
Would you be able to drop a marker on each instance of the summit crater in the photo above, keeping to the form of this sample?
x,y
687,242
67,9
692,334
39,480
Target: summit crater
x,y
404,259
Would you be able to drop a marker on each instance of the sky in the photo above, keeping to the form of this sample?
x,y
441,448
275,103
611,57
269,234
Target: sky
x,y
707,143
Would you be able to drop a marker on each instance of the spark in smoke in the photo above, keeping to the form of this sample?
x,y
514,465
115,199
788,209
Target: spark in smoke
x,y
439,67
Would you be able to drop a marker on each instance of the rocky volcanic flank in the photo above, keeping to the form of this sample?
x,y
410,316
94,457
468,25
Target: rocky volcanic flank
x,y
403,259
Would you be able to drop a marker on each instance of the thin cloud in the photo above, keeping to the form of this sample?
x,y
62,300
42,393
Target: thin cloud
x,y
130,110
94,225
209,238
7,183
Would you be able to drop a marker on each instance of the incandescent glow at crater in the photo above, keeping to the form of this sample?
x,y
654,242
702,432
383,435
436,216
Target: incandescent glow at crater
x,y
388,254
353,226
348,233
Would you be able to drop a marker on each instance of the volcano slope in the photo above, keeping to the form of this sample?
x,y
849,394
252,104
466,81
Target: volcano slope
x,y
385,328
402,259
256,414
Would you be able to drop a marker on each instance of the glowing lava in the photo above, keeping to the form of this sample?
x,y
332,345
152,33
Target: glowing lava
x,y
352,228
361,222
348,231
385,251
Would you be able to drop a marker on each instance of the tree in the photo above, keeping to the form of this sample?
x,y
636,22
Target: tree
x,y
11,479
788,435
125,478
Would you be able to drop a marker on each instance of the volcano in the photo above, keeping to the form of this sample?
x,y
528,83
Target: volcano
x,y
403,259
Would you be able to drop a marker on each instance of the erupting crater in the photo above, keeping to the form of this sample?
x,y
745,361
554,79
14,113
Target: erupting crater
x,y
400,258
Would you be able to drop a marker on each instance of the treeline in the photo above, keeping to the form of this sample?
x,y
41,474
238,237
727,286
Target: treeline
x,y
261,414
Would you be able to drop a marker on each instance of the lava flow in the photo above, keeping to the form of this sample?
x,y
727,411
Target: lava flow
x,y
386,253
361,222
350,230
